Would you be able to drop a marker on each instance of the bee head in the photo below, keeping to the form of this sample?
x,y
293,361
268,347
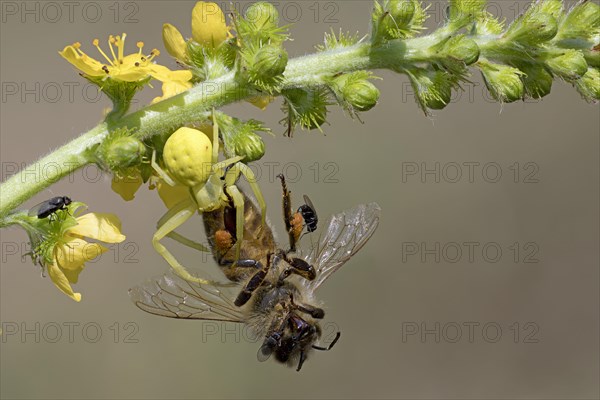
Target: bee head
x,y
293,343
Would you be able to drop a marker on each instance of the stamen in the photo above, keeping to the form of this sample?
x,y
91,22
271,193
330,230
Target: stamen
x,y
153,53
112,40
122,46
140,45
77,48
96,42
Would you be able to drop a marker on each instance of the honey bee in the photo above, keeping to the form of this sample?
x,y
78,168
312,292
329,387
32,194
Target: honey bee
x,y
276,297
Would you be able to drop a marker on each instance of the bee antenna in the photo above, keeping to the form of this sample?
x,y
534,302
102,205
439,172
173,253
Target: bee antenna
x,y
337,337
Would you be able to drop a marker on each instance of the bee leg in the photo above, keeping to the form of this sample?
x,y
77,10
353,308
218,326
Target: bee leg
x,y
255,281
299,267
288,218
313,311
238,201
237,271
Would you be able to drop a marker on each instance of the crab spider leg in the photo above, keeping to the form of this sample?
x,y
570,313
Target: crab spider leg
x,y
215,142
187,242
161,172
172,219
220,166
180,238
238,202
251,178
232,176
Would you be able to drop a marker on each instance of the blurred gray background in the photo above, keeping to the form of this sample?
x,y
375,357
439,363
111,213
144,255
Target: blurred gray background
x,y
515,318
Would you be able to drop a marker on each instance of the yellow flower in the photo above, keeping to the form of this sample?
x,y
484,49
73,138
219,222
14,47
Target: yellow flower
x,y
71,251
131,68
208,24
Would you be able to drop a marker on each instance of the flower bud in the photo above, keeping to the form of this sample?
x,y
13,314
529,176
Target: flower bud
x,y
263,15
361,94
532,28
552,7
433,89
537,81
401,19
583,21
461,12
459,47
249,145
269,61
589,85
305,107
570,64
503,82
400,14
240,138
208,24
174,42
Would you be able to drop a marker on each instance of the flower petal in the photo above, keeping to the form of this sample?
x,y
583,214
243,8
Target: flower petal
x,y
172,88
82,62
73,274
174,42
208,24
62,283
164,74
126,186
75,252
100,226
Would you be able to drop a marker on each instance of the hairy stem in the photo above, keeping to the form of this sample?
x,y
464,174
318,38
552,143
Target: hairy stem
x,y
195,104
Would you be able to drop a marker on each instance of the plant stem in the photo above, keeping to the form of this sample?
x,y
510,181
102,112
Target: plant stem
x,y
195,104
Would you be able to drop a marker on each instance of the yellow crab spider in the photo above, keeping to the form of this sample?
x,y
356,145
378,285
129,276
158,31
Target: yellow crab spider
x,y
191,159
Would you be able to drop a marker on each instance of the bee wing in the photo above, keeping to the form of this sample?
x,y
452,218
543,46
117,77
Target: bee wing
x,y
347,232
171,296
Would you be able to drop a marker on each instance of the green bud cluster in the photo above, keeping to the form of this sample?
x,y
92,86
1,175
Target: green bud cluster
x,y
544,43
